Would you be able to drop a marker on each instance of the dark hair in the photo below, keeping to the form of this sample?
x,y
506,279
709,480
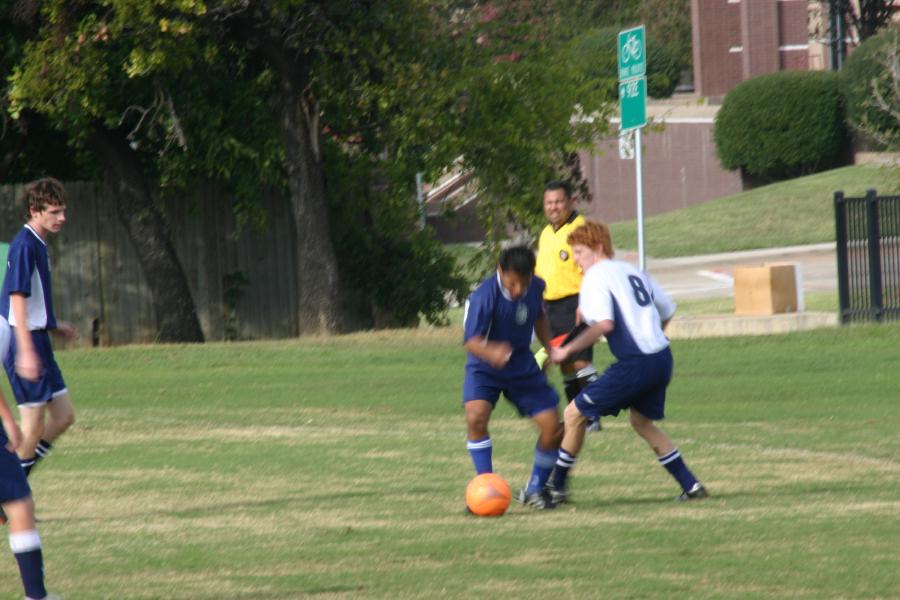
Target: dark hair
x,y
557,184
41,193
519,260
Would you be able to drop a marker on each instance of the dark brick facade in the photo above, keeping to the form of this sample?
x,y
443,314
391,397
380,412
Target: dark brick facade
x,y
680,169
735,40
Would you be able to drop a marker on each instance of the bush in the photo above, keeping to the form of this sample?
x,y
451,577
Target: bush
x,y
865,67
782,125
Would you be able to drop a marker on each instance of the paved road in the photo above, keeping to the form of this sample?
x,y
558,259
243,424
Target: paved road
x,y
710,276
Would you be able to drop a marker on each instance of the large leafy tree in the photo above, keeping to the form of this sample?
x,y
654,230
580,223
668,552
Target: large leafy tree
x,y
29,146
76,71
301,93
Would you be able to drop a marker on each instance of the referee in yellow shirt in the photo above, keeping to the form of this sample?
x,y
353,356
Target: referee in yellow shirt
x,y
563,277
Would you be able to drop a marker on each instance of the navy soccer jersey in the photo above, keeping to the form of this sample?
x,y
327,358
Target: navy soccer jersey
x,y
28,273
493,315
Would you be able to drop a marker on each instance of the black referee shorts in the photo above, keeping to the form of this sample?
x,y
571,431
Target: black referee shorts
x,y
561,315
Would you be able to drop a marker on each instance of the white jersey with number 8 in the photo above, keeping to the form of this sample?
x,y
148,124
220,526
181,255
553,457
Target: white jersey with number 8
x,y
615,290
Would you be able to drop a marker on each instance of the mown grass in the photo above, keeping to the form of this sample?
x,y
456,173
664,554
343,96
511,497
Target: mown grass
x,y
790,213
335,468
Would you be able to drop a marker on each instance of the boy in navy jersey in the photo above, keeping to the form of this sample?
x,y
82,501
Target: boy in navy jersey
x,y
631,310
501,315
26,302
15,498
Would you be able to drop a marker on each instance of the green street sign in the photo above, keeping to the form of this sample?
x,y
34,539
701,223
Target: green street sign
x,y
632,53
633,103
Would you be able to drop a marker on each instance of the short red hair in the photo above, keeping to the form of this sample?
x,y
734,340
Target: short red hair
x,y
595,235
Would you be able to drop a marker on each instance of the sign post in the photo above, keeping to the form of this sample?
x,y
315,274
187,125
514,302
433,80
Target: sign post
x,y
633,110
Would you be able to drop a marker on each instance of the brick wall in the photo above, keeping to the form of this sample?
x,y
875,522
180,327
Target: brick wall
x,y
680,169
735,40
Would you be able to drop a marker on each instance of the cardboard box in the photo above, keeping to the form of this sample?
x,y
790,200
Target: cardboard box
x,y
765,290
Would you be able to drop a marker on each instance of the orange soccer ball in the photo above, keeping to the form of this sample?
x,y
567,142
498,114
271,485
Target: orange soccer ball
x,y
488,495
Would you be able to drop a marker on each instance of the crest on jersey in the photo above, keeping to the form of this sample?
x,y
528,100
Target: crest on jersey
x,y
563,255
521,314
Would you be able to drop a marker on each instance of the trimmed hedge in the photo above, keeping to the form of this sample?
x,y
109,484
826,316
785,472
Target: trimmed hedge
x,y
865,65
782,125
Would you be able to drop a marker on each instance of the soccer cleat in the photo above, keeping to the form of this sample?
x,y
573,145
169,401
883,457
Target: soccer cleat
x,y
537,500
557,496
593,425
697,492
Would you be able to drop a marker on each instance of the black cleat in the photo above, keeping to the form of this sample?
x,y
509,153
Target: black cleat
x,y
698,492
593,425
536,500
557,496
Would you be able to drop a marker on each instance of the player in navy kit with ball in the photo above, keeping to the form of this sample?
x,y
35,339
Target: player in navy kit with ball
x,y
501,315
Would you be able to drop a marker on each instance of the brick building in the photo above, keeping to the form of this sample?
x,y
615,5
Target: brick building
x,y
735,40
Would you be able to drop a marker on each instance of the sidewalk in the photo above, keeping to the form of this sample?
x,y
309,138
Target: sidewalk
x,y
710,276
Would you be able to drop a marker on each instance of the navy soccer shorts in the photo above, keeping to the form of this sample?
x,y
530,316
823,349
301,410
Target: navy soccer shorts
x,y
50,383
530,394
637,383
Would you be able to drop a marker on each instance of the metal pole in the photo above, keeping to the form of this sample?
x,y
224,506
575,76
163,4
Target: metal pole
x,y
638,167
875,291
840,224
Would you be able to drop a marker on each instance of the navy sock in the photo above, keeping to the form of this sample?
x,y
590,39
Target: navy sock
x,y
564,464
543,465
677,469
42,450
26,546
28,464
480,451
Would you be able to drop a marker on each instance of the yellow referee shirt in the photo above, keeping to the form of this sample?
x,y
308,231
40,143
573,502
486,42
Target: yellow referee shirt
x,y
554,260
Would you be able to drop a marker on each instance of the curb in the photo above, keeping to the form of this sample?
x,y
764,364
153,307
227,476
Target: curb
x,y
707,326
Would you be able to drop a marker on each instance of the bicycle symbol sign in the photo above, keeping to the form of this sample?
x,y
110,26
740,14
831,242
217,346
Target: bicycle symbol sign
x,y
631,50
632,54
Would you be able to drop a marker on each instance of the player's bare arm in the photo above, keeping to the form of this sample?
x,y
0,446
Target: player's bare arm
x,y
28,365
496,354
584,340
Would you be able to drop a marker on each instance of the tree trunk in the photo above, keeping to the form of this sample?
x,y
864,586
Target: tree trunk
x,y
319,299
176,315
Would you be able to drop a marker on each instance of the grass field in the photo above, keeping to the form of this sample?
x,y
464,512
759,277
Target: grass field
x,y
790,213
335,468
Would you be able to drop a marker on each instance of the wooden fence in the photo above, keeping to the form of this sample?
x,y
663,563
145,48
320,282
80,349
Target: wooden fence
x,y
98,283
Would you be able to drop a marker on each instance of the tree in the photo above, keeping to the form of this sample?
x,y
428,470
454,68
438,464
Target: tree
x,y
29,146
872,85
867,16
381,90
69,73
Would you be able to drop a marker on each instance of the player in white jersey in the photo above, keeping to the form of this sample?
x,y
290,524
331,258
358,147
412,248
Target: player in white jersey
x,y
631,310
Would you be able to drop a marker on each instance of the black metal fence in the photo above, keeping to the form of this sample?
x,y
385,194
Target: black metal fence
x,y
868,256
